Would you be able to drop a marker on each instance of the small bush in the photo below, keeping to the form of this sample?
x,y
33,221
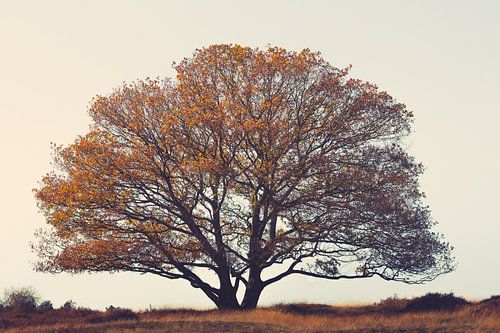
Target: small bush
x,y
111,308
69,305
94,319
435,302
120,314
391,305
46,306
21,300
493,301
488,306
113,314
306,309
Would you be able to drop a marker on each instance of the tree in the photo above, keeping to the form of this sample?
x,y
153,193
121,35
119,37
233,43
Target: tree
x,y
251,159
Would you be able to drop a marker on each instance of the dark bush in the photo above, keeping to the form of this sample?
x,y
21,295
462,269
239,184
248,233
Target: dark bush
x,y
488,306
120,314
493,301
21,300
95,318
112,314
391,305
435,302
306,309
45,306
69,305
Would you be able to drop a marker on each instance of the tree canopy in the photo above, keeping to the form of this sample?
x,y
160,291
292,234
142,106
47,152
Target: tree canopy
x,y
250,159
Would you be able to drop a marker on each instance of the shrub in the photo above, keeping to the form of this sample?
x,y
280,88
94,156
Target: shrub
x,y
391,305
112,314
45,306
306,309
493,301
120,314
21,300
488,306
69,305
95,319
435,302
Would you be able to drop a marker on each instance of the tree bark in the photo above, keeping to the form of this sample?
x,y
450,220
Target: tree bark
x,y
253,289
228,302
252,296
227,297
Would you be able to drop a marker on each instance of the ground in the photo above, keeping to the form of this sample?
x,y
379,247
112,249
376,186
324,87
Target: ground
x,y
430,313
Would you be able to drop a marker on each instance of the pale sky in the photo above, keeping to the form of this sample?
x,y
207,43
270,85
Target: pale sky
x,y
440,58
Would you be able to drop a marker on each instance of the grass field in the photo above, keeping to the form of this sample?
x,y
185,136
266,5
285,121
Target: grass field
x,y
388,316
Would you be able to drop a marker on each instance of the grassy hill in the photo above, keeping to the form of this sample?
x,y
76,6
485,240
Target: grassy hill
x,y
429,313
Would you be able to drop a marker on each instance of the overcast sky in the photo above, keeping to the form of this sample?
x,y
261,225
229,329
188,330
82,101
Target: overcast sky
x,y
440,58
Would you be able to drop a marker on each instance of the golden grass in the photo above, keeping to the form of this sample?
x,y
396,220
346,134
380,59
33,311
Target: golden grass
x,y
272,321
454,321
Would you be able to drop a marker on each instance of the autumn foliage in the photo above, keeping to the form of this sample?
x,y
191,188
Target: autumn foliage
x,y
250,159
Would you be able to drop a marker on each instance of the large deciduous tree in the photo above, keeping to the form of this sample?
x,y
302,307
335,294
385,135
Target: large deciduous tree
x,y
253,165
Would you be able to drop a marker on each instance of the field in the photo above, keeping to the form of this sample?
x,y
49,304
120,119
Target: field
x,y
393,315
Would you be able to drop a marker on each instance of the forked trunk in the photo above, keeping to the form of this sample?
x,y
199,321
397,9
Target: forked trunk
x,y
227,299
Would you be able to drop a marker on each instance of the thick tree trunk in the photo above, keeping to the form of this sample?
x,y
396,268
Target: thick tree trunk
x,y
251,298
227,296
228,302
227,299
253,290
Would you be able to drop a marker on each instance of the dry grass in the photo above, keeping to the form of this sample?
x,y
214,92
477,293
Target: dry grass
x,y
481,317
460,321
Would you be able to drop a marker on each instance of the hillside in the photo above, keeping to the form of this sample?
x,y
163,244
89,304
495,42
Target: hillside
x,y
429,313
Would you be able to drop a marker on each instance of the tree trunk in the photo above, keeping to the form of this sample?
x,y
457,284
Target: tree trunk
x,y
253,290
227,300
227,296
251,298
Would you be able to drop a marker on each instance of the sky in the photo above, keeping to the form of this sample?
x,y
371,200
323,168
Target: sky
x,y
440,58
